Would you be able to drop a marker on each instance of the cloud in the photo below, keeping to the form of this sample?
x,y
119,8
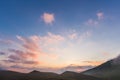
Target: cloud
x,y
100,15
28,54
93,63
92,22
6,41
30,43
48,18
2,53
95,22
78,37
19,56
23,54
76,68
73,36
31,51
85,35
34,44
51,38
2,67
39,51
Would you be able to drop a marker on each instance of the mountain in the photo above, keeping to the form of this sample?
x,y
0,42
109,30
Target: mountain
x,y
11,75
77,76
36,75
109,70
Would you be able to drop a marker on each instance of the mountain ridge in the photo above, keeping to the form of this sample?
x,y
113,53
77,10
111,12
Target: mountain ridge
x,y
37,75
108,70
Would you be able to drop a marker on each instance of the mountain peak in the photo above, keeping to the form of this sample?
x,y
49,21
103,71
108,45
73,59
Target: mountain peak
x,y
34,71
68,73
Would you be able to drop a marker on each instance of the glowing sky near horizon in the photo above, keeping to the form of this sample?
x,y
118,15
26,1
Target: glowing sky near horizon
x,y
58,35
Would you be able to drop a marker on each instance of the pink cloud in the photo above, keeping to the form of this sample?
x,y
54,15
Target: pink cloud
x,y
33,47
48,18
100,15
23,54
24,57
30,43
32,52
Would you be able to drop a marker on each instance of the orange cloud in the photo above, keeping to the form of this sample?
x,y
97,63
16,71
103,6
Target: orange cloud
x,y
40,51
32,47
48,18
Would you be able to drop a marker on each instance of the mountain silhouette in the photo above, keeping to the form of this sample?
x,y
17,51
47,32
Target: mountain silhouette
x,y
109,70
77,76
36,75
11,75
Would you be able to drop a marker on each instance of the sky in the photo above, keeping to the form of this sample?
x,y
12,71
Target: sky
x,y
58,35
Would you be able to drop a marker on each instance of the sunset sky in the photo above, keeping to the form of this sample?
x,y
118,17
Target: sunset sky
x,y
58,35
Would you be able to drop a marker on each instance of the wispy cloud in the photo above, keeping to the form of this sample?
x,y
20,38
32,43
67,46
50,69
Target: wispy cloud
x,y
30,43
48,18
93,63
92,22
40,51
5,41
95,22
100,15
51,38
76,68
31,51
2,53
73,36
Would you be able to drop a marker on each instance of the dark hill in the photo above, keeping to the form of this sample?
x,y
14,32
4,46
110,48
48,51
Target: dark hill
x,y
77,76
36,75
107,70
11,75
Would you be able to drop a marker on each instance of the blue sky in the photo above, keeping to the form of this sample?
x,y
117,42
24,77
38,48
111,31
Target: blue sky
x,y
16,15
67,33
